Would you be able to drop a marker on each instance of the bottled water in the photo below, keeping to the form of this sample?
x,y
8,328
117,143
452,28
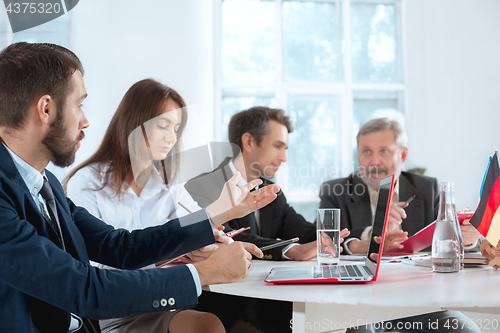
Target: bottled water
x,y
447,244
445,248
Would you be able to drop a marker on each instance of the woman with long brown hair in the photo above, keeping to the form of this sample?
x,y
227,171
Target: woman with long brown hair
x,y
130,182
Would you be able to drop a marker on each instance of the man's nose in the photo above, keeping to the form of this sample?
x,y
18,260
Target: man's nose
x,y
84,122
375,161
283,156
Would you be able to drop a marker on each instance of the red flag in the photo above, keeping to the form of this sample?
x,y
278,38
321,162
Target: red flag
x,y
486,219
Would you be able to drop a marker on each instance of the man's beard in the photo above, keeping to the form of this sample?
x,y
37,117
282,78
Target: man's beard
x,y
374,183
62,148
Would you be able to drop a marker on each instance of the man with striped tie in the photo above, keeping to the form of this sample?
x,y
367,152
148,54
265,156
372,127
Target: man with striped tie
x,y
46,242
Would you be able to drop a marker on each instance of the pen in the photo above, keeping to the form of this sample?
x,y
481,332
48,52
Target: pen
x,y
285,242
407,202
187,210
234,233
229,234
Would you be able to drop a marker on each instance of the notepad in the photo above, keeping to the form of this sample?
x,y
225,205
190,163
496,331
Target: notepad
x,y
415,243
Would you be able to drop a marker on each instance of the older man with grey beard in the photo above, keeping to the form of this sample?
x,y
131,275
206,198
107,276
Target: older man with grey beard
x,y
382,149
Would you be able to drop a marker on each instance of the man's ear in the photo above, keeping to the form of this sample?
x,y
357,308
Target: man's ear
x,y
45,109
404,154
247,142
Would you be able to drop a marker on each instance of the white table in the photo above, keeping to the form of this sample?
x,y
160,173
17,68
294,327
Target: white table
x,y
401,290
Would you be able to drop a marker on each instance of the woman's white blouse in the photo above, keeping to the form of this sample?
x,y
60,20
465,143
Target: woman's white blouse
x,y
155,205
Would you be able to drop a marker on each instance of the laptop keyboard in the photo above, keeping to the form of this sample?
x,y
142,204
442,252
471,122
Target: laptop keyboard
x,y
335,271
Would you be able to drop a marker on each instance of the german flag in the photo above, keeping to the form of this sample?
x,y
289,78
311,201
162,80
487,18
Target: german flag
x,y
486,219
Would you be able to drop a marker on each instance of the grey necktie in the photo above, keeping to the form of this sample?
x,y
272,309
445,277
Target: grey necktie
x,y
53,219
252,223
88,325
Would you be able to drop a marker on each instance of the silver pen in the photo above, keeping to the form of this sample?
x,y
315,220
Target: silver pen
x,y
184,207
285,242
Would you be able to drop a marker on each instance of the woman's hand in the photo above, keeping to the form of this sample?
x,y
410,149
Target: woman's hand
x,y
235,202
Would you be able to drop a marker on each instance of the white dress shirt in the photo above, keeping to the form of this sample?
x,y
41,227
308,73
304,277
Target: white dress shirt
x,y
155,205
243,182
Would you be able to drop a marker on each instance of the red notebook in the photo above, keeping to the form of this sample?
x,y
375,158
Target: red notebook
x,y
415,243
423,238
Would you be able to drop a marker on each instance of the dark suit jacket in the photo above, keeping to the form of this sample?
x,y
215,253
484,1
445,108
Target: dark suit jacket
x,y
40,284
277,220
351,196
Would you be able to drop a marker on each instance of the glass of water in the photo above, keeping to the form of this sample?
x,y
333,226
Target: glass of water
x,y
328,236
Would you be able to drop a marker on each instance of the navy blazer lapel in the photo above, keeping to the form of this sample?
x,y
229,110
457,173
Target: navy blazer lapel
x,y
7,165
266,215
225,169
36,220
71,234
265,221
359,208
415,210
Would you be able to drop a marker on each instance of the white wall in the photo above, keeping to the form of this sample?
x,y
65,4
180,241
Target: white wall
x,y
452,50
121,42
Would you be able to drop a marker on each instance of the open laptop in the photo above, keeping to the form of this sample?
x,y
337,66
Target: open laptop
x,y
358,273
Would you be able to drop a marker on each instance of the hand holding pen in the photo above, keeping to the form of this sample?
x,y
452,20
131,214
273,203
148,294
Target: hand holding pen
x,y
397,213
204,252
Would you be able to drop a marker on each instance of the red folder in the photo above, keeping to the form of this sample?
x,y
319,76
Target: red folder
x,y
423,238
415,243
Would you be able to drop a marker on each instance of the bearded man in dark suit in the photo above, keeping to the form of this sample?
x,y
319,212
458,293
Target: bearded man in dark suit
x,y
382,149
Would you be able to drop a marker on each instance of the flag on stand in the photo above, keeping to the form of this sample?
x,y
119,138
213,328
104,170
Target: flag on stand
x,y
486,219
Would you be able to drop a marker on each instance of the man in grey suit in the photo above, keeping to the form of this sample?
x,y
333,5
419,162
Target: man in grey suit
x,y
382,149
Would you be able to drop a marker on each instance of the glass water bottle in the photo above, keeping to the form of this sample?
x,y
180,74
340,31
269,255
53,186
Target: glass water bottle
x,y
457,226
446,241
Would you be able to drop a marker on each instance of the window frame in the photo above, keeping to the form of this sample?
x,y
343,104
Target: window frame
x,y
346,89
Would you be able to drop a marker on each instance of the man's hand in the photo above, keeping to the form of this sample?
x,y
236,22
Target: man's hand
x,y
205,252
221,238
393,238
302,251
396,215
237,201
309,250
200,254
492,253
229,263
469,233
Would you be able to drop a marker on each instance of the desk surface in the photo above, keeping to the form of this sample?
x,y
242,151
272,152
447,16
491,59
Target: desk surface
x,y
400,284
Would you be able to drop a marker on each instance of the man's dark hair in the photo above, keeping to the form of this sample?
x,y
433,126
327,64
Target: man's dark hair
x,y
29,71
255,121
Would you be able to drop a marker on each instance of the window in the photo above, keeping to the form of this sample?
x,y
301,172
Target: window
x,y
56,31
331,64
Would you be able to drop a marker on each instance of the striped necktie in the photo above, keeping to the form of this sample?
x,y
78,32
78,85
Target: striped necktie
x,y
88,325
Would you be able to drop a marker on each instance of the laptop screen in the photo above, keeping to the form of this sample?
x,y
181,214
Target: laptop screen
x,y
383,199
